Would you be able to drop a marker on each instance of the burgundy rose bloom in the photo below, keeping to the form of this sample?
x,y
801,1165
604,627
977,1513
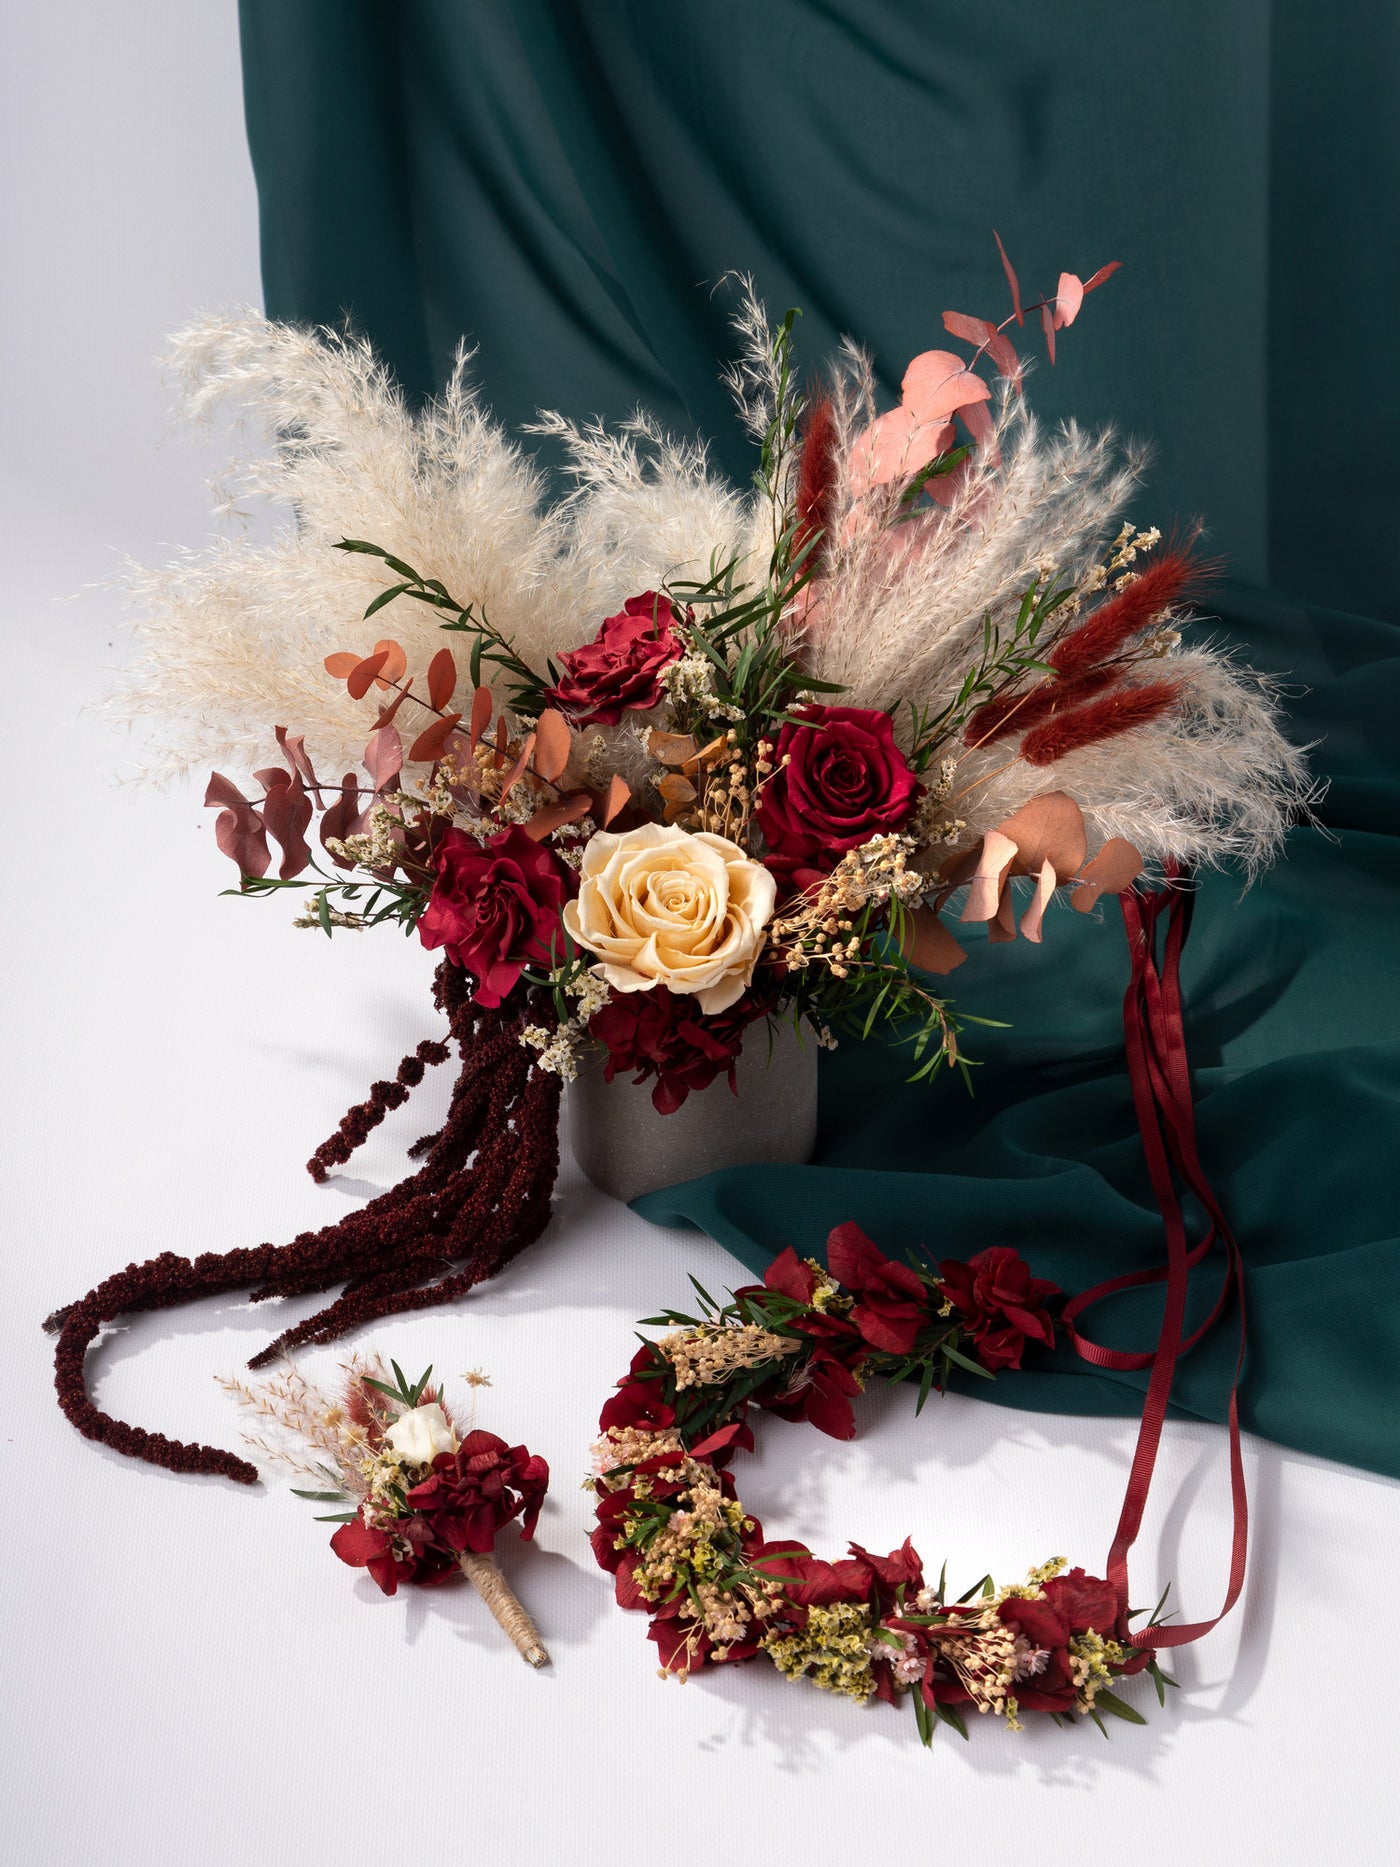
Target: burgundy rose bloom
x,y
620,668
1000,1304
495,906
845,781
822,1398
422,1561
476,1490
662,1034
1087,1602
1074,1604
894,1303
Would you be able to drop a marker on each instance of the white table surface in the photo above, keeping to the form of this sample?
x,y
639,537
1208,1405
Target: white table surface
x,y
190,1675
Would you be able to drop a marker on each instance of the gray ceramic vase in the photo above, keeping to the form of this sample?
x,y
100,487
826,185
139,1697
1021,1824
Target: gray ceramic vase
x,y
627,1149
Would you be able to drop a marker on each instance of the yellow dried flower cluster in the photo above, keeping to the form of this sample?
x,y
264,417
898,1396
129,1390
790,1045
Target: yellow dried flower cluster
x,y
1033,1588
1091,1659
383,1472
706,1357
827,1297
832,1650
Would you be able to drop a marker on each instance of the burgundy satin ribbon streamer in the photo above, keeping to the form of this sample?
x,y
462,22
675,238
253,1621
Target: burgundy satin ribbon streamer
x,y
1161,1085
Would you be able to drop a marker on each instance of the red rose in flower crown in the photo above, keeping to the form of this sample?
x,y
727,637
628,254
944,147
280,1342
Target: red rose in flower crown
x,y
495,907
620,669
838,779
999,1303
894,1301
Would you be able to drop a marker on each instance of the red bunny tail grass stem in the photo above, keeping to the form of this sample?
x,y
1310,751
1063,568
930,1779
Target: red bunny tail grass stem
x,y
1118,712
1114,623
1018,713
816,477
482,1194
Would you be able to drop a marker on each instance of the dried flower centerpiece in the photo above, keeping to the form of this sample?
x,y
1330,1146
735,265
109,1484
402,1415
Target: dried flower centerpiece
x,y
422,1497
659,764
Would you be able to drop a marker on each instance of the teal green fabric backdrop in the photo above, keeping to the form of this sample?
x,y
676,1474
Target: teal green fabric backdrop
x,y
563,183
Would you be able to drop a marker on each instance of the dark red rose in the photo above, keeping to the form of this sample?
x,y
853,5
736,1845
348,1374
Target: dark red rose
x,y
823,1396
845,781
409,1555
1000,1304
894,1303
495,906
662,1034
478,1489
621,667
1087,1602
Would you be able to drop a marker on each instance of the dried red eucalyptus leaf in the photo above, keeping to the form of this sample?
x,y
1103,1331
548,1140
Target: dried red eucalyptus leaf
x,y
442,679
432,741
553,743
361,676
384,757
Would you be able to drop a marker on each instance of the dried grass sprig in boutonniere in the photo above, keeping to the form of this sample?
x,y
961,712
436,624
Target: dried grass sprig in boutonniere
x,y
422,1497
659,764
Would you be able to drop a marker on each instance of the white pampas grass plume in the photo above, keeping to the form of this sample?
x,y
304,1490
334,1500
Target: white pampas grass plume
x,y
231,640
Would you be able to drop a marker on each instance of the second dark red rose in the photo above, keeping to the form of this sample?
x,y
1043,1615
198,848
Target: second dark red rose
x,y
495,907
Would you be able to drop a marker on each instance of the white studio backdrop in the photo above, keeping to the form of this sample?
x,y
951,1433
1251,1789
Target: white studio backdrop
x,y
190,1675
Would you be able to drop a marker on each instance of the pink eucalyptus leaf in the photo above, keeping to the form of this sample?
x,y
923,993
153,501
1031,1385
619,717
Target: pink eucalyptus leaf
x,y
482,708
1011,279
294,747
894,448
1116,867
1104,272
1047,324
977,418
1069,296
384,757
340,819
286,813
1040,900
222,791
937,384
240,835
984,889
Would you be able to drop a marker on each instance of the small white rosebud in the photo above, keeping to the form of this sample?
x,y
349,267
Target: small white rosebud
x,y
421,1433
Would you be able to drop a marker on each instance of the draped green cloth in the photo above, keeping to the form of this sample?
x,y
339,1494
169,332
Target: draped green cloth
x,y
564,181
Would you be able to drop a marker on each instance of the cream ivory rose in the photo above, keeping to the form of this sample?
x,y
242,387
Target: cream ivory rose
x,y
659,906
419,1434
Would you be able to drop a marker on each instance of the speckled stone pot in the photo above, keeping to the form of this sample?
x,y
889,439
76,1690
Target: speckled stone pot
x,y
627,1149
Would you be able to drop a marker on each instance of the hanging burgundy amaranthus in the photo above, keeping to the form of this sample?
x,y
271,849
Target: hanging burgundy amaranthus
x,y
481,1195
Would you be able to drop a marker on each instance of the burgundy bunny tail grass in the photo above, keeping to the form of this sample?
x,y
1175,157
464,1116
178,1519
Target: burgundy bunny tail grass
x,y
816,478
482,1194
1109,628
1017,713
1119,712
